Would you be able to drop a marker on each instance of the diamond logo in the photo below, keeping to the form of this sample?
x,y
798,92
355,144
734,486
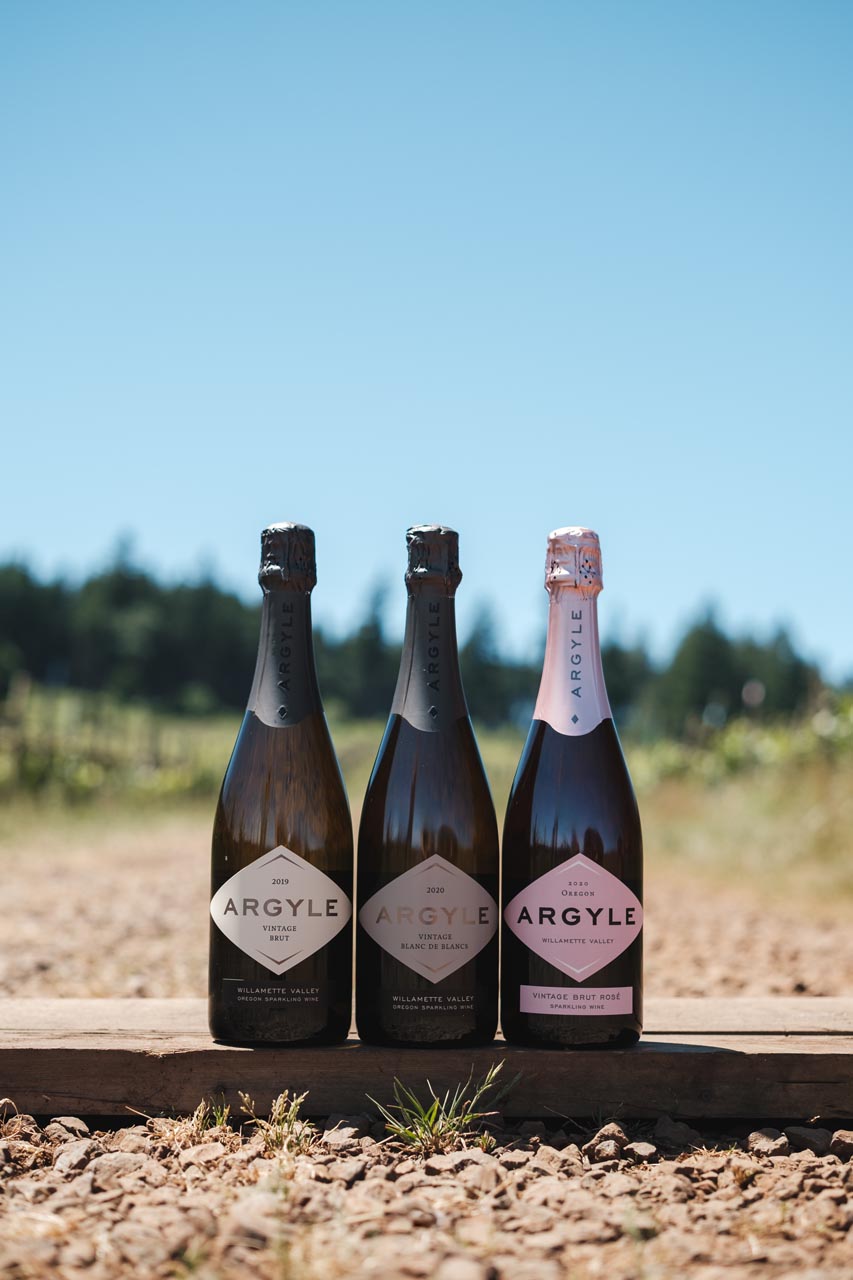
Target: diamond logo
x,y
578,917
279,909
433,918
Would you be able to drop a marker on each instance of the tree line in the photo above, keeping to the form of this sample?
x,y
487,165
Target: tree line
x,y
191,648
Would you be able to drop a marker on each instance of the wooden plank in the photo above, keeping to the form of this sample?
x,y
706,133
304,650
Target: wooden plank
x,y
101,1057
79,1020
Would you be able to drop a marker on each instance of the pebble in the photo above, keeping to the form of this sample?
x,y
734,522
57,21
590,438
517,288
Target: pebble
x,y
675,1134
73,1124
75,1155
842,1144
804,1138
768,1142
640,1152
201,1154
461,1269
347,1171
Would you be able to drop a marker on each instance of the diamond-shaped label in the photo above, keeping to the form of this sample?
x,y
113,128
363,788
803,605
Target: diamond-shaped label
x,y
280,910
433,918
578,917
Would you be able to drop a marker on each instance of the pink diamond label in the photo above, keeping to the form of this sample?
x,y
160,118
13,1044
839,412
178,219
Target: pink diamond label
x,y
280,910
578,917
433,918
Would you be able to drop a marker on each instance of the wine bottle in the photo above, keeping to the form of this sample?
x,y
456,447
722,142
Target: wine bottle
x,y
572,846
426,942
282,864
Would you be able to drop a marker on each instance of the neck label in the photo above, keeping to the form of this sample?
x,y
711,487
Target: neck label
x,y
572,697
283,691
429,688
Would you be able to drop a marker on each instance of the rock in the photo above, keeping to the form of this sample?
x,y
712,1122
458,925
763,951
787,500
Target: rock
x,y
803,1138
610,1133
150,1240
618,1184
514,1159
5,1152
343,1131
73,1124
768,1142
136,1139
842,1144
675,1134
74,1155
608,1150
641,1152
122,1169
482,1177
55,1133
453,1161
78,1252
590,1231
255,1218
460,1268
347,1171
203,1153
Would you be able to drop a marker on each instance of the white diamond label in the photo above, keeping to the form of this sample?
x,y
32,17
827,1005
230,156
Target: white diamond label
x,y
280,910
433,918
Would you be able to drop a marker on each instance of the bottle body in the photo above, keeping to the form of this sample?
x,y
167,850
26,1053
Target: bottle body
x,y
282,858
572,854
427,937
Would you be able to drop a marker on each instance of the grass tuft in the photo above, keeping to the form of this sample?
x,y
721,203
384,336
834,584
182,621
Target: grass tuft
x,y
443,1124
283,1130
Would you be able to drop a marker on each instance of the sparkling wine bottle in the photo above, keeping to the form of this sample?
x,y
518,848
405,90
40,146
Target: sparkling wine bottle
x,y
282,864
426,942
572,846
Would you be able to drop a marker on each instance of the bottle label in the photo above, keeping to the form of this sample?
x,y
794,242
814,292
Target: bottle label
x,y
579,917
587,1001
433,918
280,910
572,697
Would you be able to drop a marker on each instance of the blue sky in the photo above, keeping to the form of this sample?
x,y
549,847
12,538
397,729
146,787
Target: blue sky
x,y
506,266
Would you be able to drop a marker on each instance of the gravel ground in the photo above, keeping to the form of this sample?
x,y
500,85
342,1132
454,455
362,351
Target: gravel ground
x,y
163,1200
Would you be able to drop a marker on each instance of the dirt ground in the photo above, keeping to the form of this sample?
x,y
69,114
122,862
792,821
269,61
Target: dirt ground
x,y
102,910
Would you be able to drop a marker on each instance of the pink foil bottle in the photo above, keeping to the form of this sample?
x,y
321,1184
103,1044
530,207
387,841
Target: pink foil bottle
x,y
572,860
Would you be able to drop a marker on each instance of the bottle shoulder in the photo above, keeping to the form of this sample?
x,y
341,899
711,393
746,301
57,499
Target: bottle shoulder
x,y
426,780
569,790
284,786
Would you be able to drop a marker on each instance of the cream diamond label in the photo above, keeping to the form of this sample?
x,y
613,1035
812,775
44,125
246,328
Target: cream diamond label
x,y
280,910
434,918
578,917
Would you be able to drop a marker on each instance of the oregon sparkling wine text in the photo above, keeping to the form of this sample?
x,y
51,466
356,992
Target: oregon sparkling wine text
x,y
572,846
282,865
426,942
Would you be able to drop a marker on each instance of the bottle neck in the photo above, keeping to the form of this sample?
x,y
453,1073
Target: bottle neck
x,y
572,696
285,690
429,691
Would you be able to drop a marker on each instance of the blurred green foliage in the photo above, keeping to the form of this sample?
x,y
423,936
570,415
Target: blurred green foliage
x,y
190,648
74,746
